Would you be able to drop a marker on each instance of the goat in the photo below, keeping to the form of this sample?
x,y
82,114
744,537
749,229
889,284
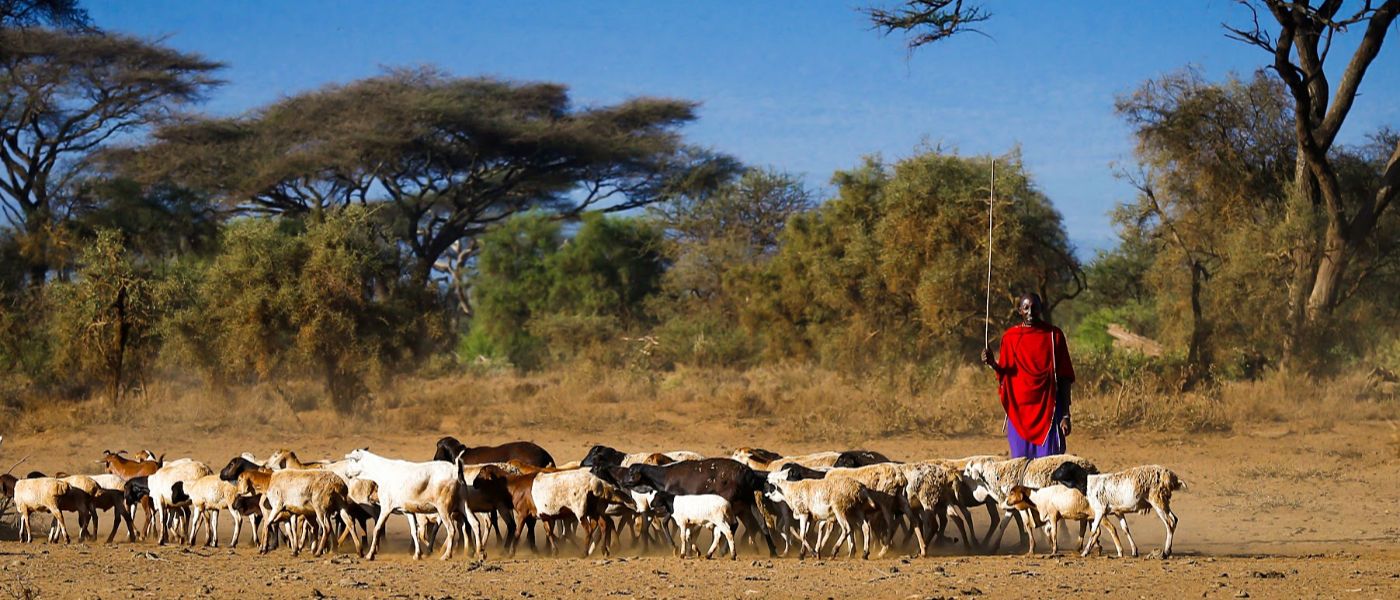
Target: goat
x,y
767,460
1133,490
127,468
449,449
103,498
700,511
411,488
604,456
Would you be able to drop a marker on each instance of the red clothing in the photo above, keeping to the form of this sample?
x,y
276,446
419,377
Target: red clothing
x,y
1027,382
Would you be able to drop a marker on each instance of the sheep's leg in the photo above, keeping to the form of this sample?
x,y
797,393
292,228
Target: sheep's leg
x,y
1170,524
1094,535
62,528
802,524
24,533
384,511
414,534
865,533
194,528
1123,519
450,525
608,530
754,521
1000,528
1028,530
993,521
925,519
964,528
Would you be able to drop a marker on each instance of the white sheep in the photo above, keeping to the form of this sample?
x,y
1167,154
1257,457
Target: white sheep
x,y
210,494
1138,489
578,494
930,494
162,484
839,500
410,488
46,494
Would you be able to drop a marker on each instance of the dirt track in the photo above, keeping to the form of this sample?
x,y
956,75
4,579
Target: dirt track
x,y
1269,513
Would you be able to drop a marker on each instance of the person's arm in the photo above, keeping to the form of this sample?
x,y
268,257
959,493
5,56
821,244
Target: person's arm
x,y
1064,374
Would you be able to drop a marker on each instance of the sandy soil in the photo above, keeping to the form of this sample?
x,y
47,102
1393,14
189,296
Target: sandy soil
x,y
1269,513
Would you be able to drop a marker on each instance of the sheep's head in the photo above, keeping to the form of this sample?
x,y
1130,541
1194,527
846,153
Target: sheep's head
x,y
1019,497
1071,475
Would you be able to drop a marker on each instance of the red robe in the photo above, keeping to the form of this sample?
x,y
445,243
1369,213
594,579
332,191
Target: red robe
x,y
1027,382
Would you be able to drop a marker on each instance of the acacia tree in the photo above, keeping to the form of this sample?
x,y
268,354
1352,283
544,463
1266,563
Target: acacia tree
x,y
449,156
65,14
64,95
1215,162
1300,49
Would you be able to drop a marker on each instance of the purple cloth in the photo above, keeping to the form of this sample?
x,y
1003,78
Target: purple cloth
x,y
1054,441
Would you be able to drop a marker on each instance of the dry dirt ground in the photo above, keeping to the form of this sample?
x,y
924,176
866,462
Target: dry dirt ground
x,y
1268,513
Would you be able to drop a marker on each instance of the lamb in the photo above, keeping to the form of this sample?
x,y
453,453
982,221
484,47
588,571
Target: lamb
x,y
695,511
840,500
1053,504
1133,490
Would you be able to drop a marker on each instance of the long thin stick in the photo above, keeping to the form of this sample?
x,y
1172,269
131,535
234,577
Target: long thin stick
x,y
987,316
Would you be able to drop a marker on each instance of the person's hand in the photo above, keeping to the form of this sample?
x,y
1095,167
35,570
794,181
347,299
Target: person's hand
x,y
1065,426
987,357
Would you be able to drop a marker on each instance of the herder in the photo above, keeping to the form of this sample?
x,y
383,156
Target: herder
x,y
1034,376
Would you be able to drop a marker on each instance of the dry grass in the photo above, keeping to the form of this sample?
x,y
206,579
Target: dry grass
x,y
792,403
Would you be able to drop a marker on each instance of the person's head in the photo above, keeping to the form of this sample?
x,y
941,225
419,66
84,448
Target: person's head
x,y
1031,308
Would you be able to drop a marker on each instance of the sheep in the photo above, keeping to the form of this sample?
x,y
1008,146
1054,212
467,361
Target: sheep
x,y
162,484
103,498
1053,504
603,456
839,500
45,494
209,494
885,484
995,478
766,460
313,494
579,494
700,511
1133,490
409,487
930,493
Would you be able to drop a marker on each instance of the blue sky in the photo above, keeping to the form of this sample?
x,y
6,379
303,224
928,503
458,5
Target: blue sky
x,y
803,86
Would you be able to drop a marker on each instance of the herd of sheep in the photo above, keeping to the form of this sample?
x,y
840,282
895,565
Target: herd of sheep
x,y
814,503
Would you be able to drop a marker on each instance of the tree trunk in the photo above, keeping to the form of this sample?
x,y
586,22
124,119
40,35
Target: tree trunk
x,y
1198,359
